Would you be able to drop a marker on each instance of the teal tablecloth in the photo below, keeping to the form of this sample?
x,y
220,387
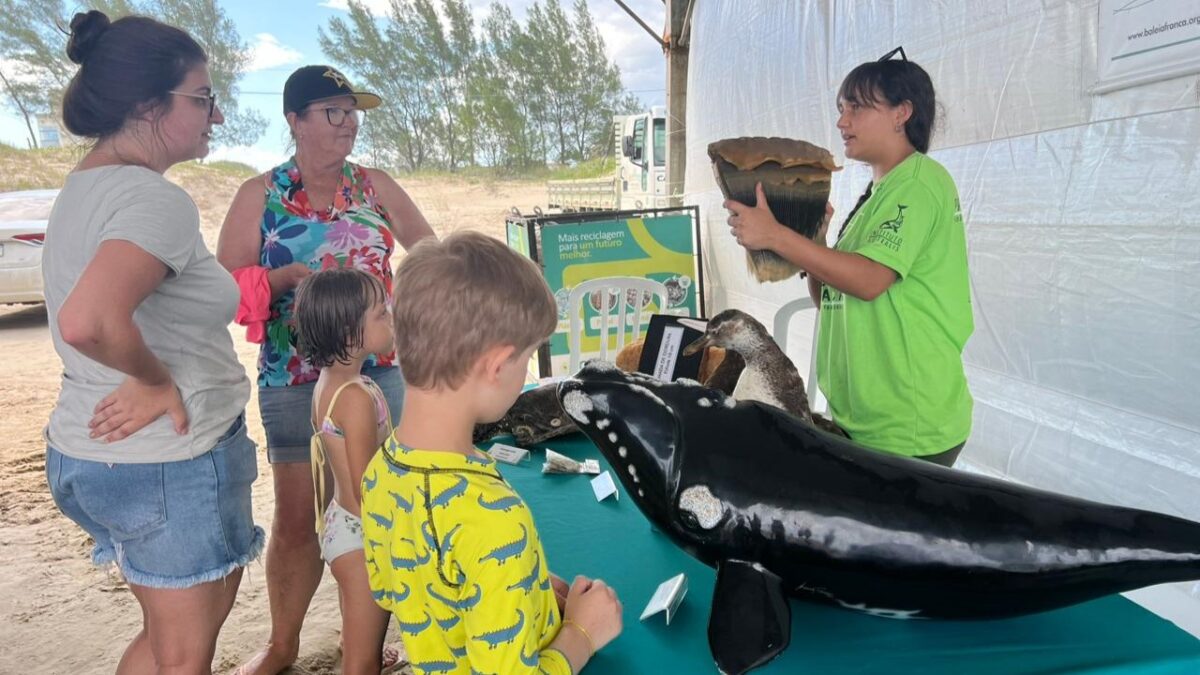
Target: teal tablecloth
x,y
613,541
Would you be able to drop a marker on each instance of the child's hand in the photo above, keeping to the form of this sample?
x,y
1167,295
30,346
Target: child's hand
x,y
593,605
284,279
133,405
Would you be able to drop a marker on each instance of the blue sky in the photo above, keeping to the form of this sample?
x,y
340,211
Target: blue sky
x,y
281,41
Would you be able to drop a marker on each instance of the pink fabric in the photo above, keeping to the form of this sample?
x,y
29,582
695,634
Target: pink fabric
x,y
255,306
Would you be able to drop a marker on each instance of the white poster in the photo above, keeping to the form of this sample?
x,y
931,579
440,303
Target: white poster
x,y
1143,41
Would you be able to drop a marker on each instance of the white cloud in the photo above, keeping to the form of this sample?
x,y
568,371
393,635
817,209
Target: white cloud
x,y
268,52
375,7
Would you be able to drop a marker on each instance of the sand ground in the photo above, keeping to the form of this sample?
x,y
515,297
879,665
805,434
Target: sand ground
x,y
58,614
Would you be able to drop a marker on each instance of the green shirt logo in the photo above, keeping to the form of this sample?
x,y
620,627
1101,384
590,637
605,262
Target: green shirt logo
x,y
895,223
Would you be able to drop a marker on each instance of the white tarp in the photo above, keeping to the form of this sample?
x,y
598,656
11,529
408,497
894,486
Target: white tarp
x,y
1083,219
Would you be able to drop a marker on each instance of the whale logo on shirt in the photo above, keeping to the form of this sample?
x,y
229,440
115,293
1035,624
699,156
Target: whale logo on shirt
x,y
895,223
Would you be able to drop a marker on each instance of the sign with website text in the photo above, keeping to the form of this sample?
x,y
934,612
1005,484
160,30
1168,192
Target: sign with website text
x,y
1142,41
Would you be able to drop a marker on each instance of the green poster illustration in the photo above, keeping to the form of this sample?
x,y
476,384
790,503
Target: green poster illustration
x,y
660,248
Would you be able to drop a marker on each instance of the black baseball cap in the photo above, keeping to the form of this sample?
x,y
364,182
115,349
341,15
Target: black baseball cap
x,y
317,83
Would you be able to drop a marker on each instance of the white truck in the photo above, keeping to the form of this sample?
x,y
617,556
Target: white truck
x,y
640,178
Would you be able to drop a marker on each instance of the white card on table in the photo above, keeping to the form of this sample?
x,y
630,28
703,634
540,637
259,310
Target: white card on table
x,y
667,597
604,487
508,454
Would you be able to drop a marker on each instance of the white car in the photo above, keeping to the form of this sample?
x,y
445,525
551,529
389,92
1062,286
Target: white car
x,y
23,217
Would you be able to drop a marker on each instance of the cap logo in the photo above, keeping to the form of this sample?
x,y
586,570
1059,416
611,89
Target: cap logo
x,y
338,78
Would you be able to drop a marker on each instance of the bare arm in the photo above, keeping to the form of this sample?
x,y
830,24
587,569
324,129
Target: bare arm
x,y
240,242
850,273
408,223
814,284
814,291
97,320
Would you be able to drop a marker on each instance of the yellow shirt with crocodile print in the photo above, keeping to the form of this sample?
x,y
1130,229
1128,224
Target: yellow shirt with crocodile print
x,y
452,552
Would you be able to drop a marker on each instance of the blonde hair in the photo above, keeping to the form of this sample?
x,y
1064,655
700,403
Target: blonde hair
x,y
459,297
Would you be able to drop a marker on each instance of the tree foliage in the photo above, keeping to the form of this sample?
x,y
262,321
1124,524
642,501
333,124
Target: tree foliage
x,y
507,94
33,56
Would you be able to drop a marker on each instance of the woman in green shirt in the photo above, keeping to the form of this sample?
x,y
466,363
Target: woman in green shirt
x,y
893,292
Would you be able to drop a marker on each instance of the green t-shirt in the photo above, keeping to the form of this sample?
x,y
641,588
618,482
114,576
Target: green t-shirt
x,y
892,368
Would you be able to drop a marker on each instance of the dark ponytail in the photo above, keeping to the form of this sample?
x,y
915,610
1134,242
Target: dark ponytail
x,y
895,82
858,205
125,66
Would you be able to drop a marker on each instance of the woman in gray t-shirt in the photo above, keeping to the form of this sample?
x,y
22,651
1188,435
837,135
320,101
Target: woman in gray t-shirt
x,y
146,447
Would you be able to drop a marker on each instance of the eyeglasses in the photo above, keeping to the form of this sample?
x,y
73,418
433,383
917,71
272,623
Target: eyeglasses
x,y
337,116
211,98
897,50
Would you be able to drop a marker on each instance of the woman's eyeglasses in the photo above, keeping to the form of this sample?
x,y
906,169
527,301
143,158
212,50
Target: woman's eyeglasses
x,y
211,98
897,50
338,116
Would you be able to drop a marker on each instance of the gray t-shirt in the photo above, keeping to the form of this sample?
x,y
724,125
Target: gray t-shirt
x,y
184,321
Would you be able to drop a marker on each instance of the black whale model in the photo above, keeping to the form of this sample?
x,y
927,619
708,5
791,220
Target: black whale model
x,y
781,508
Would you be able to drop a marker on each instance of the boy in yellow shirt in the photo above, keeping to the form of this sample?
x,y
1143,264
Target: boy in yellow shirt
x,y
451,548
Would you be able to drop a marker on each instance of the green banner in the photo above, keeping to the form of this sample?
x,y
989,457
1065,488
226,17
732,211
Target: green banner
x,y
659,248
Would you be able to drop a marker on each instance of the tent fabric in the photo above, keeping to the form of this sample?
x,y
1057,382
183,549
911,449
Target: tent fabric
x,y
1082,214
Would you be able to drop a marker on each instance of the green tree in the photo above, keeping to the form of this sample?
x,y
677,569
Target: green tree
x,y
595,104
23,95
510,95
33,36
400,131
228,57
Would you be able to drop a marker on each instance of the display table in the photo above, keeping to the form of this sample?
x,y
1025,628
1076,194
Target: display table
x,y
612,540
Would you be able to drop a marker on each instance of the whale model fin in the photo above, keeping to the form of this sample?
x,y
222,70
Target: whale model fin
x,y
751,622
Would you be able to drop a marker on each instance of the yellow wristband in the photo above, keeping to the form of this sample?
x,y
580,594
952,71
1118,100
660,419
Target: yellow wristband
x,y
591,645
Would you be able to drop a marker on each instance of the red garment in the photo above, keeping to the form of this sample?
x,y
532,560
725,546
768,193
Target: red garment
x,y
255,306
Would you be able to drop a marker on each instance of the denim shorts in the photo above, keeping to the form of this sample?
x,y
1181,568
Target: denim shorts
x,y
166,525
287,413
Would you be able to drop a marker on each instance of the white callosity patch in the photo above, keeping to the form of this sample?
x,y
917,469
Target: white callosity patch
x,y
600,366
883,613
577,405
730,402
633,473
704,403
612,437
603,423
688,382
701,503
649,394
622,452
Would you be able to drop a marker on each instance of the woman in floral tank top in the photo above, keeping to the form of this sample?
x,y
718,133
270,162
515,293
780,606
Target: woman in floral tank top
x,y
314,212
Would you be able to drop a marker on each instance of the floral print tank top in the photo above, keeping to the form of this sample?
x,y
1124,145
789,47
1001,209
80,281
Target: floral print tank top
x,y
353,232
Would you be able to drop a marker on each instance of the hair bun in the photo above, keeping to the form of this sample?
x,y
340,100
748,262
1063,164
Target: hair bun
x,y
86,29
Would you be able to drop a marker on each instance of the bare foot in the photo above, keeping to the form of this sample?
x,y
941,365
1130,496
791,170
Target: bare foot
x,y
270,660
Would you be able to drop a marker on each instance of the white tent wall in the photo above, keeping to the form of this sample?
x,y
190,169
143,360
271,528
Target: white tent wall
x,y
1082,213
